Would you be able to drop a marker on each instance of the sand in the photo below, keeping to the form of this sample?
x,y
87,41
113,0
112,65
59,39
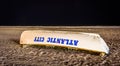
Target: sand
x,y
12,54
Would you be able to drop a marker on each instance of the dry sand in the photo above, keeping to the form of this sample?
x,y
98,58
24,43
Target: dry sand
x,y
12,54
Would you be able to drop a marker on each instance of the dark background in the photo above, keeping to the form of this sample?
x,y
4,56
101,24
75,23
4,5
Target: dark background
x,y
57,12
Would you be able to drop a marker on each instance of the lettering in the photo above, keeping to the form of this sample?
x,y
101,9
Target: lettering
x,y
75,42
39,39
67,41
70,42
49,39
57,41
62,41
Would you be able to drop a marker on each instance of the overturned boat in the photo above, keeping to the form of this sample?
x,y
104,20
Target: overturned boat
x,y
78,40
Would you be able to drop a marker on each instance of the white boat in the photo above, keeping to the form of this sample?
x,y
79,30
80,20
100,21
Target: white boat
x,y
78,40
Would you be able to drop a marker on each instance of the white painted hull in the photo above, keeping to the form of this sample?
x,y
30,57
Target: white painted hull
x,y
80,40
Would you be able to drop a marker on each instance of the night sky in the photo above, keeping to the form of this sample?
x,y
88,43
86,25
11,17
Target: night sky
x,y
72,12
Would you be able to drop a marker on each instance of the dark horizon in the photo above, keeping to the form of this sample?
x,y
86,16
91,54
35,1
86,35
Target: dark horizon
x,y
71,13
